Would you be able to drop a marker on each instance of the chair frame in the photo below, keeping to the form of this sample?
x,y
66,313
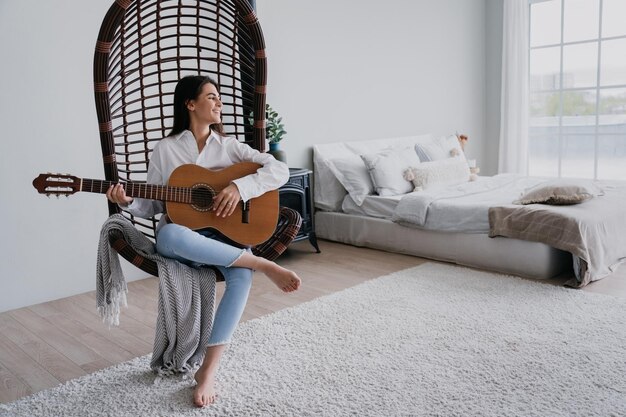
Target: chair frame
x,y
121,29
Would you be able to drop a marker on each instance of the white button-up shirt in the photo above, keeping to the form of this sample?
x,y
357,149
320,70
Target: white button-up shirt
x,y
218,153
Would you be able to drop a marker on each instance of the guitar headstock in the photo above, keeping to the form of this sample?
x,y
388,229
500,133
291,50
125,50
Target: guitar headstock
x,y
57,184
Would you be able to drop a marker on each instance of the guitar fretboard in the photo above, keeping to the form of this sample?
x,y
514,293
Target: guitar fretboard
x,y
148,191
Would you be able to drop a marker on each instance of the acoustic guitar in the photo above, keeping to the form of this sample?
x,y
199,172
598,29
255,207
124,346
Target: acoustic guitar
x,y
188,199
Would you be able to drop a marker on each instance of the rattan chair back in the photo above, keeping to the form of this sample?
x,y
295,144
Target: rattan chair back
x,y
144,47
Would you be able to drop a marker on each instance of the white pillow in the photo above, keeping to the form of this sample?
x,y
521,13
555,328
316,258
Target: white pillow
x,y
431,151
327,190
440,148
452,147
386,168
353,175
450,171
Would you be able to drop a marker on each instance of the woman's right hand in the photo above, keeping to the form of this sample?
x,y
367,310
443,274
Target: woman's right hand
x,y
117,194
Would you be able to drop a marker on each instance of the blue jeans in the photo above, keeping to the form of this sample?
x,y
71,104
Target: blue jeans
x,y
203,248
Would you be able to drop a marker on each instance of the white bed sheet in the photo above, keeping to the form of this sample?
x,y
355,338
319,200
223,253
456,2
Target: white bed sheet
x,y
372,206
459,208
463,207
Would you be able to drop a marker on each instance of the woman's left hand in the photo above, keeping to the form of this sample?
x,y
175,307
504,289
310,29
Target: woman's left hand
x,y
226,201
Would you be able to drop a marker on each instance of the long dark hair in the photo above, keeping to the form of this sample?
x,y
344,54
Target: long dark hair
x,y
189,88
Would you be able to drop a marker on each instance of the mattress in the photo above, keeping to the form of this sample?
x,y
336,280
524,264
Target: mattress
x,y
509,256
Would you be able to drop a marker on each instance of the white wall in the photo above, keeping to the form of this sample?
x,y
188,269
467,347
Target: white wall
x,y
360,69
338,70
49,124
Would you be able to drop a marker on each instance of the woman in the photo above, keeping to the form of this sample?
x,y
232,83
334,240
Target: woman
x,y
197,138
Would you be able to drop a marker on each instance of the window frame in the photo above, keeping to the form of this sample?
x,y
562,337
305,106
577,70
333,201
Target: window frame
x,y
598,89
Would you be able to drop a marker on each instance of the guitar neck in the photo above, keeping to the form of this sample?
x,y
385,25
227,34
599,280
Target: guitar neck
x,y
147,191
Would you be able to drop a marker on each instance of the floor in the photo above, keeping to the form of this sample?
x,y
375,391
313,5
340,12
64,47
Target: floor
x,y
46,344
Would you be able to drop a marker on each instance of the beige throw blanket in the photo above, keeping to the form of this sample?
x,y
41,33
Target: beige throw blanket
x,y
594,232
185,305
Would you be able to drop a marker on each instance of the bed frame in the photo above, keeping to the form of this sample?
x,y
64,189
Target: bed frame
x,y
509,256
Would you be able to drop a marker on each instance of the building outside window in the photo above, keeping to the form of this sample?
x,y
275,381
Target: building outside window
x,y
577,88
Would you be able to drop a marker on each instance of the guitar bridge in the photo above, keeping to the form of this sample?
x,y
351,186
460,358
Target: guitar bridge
x,y
245,212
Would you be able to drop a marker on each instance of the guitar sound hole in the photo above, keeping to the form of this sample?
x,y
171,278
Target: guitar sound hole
x,y
202,197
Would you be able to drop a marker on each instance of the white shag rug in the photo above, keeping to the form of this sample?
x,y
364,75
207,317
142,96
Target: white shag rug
x,y
434,340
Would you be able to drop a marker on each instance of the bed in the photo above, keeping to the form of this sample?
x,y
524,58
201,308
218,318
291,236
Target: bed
x,y
365,197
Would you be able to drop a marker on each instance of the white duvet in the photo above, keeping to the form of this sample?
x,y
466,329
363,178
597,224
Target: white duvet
x,y
463,207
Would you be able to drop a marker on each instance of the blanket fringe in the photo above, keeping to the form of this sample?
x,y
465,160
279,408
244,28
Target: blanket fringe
x,y
110,313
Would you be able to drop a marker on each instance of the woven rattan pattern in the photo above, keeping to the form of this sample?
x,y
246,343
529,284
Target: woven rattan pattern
x,y
144,47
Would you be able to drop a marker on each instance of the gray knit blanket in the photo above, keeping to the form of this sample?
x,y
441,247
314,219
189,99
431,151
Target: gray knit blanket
x,y
185,306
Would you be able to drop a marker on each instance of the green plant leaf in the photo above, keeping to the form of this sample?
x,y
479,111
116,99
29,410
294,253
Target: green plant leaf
x,y
274,126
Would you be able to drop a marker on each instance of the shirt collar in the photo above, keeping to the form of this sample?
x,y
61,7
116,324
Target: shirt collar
x,y
187,133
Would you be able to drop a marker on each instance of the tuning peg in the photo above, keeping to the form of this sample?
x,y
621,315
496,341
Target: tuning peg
x,y
57,196
48,195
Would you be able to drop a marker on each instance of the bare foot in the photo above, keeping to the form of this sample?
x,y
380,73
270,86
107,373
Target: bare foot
x,y
284,279
204,393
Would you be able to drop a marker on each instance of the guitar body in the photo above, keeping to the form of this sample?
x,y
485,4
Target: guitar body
x,y
251,228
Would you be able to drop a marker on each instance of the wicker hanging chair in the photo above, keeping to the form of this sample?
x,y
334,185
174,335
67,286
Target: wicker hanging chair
x,y
144,47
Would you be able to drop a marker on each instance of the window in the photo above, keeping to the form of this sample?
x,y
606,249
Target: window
x,y
577,89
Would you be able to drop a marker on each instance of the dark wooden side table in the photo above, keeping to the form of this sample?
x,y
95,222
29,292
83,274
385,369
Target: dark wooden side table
x,y
296,194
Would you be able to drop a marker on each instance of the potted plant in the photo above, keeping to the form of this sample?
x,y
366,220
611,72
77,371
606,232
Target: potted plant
x,y
275,131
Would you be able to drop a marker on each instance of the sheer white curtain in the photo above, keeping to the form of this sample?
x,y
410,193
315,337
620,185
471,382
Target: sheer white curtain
x,y
513,151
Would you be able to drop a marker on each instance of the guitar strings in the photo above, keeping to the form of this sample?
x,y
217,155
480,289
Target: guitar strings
x,y
199,196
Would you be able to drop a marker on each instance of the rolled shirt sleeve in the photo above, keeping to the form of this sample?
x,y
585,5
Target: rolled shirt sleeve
x,y
271,176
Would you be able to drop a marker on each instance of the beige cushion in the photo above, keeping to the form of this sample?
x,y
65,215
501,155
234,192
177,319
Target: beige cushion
x,y
559,193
